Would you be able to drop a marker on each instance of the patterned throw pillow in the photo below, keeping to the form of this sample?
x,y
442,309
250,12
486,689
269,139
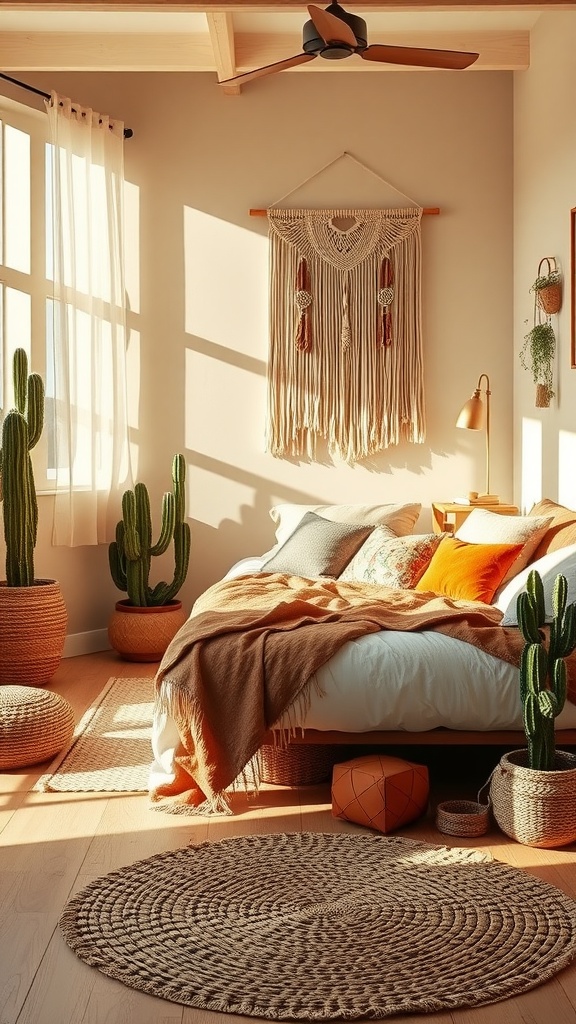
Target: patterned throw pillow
x,y
392,561
318,547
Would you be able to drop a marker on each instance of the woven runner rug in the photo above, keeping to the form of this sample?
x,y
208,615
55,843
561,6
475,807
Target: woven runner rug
x,y
314,926
111,749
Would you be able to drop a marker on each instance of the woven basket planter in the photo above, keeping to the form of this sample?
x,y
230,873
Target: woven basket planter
x,y
536,808
298,764
33,623
543,396
550,298
143,633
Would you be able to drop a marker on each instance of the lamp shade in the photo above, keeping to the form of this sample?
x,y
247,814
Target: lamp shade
x,y
473,414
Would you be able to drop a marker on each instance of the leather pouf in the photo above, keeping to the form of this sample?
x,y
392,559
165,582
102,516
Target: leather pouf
x,y
380,792
35,725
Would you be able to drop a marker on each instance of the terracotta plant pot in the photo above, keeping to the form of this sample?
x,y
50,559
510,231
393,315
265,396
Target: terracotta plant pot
x,y
543,396
143,633
550,298
33,623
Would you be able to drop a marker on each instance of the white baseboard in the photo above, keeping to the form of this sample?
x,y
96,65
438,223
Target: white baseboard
x,y
86,643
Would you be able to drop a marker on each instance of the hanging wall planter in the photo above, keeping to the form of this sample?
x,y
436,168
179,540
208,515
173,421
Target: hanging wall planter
x,y
539,348
547,287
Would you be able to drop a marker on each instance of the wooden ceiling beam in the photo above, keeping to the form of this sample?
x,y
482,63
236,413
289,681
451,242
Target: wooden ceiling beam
x,y
76,51
73,51
221,30
499,51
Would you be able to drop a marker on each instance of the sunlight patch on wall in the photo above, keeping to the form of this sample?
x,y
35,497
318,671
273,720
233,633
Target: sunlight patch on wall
x,y
226,283
566,464
224,407
531,481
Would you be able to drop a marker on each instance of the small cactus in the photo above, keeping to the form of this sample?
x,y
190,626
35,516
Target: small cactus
x,y
21,431
543,670
131,553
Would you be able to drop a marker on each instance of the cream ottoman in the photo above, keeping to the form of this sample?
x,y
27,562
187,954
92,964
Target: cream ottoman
x,y
35,725
379,791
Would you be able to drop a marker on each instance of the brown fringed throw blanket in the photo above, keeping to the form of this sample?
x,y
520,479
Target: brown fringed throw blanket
x,y
244,658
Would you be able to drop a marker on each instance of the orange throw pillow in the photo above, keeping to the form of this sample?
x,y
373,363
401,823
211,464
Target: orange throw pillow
x,y
468,572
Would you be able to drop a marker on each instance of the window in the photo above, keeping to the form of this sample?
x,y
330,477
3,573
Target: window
x,y
25,291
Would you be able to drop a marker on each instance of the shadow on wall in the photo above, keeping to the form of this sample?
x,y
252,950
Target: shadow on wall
x,y
216,548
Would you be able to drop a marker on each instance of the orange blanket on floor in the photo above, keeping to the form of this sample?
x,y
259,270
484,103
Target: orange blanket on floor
x,y
246,654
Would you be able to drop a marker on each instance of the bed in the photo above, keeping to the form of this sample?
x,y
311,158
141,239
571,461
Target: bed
x,y
354,629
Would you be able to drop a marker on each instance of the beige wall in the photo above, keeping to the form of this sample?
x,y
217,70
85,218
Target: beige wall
x,y
544,193
198,271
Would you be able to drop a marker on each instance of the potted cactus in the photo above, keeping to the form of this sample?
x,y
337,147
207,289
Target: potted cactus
x,y
33,616
533,790
143,624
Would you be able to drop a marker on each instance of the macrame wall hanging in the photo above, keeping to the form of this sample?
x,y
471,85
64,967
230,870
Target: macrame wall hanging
x,y
345,361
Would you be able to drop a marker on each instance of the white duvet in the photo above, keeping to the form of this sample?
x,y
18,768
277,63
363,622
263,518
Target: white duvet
x,y
412,682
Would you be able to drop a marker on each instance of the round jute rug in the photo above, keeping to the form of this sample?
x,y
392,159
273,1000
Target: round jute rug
x,y
318,926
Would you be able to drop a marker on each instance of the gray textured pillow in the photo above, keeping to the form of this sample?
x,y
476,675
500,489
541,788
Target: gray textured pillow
x,y
318,547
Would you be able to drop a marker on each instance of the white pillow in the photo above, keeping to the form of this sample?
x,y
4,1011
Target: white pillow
x,y
399,518
549,566
485,527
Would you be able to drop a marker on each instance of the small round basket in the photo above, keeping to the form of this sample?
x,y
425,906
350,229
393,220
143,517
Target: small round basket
x,y
462,818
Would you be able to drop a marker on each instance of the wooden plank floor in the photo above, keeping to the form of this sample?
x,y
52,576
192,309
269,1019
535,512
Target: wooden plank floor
x,y
53,844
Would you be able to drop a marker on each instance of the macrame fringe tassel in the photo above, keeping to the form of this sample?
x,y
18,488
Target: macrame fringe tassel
x,y
385,297
346,334
303,299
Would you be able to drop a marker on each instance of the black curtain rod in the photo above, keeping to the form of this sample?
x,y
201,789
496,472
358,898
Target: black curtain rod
x,y
128,133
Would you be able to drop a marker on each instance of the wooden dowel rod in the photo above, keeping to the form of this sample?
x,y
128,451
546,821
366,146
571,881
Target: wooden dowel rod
x,y
428,210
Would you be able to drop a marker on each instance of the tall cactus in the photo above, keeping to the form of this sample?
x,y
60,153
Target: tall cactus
x,y
21,431
131,553
543,671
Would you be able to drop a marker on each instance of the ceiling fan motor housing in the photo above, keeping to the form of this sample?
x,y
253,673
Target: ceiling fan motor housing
x,y
313,43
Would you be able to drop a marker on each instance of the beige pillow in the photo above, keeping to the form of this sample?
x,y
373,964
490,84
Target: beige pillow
x,y
401,519
485,527
562,530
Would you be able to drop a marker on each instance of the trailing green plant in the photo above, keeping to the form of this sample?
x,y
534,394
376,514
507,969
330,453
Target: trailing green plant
x,y
537,354
543,669
21,431
131,553
545,280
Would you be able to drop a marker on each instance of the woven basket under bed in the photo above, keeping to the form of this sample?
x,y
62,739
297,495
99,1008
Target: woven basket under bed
x,y
298,764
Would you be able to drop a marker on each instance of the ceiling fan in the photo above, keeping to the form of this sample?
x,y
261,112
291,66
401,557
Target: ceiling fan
x,y
333,33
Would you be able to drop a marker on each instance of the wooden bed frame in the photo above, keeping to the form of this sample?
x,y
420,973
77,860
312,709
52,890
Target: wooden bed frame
x,y
433,737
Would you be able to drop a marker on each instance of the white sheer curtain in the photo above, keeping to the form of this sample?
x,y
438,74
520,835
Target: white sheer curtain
x,y
86,330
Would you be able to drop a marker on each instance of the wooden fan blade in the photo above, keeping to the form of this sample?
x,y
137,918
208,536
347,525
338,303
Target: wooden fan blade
x,y
453,60
269,69
331,28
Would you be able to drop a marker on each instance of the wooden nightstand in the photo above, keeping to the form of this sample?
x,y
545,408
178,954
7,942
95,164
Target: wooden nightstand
x,y
448,516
